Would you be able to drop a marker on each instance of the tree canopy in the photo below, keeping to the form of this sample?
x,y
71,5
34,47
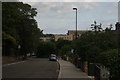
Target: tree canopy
x,y
18,22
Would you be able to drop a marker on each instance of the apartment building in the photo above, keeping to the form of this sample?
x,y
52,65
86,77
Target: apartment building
x,y
70,35
63,36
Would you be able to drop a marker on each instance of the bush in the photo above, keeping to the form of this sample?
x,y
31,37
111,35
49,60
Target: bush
x,y
111,60
9,45
93,54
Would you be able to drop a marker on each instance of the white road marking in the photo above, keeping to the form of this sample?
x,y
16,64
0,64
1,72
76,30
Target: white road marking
x,y
13,63
59,75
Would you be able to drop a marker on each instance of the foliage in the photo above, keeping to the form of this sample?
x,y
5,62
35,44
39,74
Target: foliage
x,y
18,21
45,49
93,54
61,44
110,59
65,50
9,42
96,27
49,35
91,44
100,47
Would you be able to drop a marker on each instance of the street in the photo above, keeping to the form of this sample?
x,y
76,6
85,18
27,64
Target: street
x,y
31,68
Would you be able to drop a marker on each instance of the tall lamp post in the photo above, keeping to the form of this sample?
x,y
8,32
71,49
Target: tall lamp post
x,y
76,23
76,56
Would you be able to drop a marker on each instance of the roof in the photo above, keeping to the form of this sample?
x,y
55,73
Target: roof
x,y
79,30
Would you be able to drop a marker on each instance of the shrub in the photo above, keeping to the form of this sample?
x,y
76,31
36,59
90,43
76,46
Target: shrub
x,y
111,60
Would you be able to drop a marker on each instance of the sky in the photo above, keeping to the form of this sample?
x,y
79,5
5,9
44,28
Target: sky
x,y
57,17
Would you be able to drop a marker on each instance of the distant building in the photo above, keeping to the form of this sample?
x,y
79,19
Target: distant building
x,y
63,36
47,38
70,35
79,33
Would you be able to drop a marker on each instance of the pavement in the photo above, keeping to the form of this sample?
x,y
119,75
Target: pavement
x,y
68,70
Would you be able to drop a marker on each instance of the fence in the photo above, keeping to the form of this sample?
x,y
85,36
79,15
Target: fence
x,y
100,72
97,70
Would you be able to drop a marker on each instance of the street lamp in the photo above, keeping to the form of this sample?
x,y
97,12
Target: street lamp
x,y
76,22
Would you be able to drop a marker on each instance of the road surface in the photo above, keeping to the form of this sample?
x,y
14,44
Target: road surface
x,y
32,68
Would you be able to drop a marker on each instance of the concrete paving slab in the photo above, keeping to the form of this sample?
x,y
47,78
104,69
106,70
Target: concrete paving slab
x,y
68,70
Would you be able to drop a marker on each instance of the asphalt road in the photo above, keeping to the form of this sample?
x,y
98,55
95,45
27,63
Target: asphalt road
x,y
32,68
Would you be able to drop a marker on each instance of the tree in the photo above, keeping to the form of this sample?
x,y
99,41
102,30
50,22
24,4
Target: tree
x,y
110,59
93,54
65,50
109,29
102,47
96,27
18,21
81,45
92,44
45,49
60,43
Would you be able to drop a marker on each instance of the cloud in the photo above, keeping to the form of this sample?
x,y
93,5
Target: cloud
x,y
112,9
56,8
54,16
9,0
69,0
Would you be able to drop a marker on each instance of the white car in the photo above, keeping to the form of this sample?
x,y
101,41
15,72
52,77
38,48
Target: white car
x,y
53,57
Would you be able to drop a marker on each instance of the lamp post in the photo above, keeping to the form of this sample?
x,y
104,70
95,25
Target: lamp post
x,y
76,56
76,23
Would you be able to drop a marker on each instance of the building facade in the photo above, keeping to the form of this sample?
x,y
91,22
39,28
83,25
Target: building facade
x,y
79,33
47,38
70,35
64,37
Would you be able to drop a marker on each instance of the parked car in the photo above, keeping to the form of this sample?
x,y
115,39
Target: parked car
x,y
53,57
